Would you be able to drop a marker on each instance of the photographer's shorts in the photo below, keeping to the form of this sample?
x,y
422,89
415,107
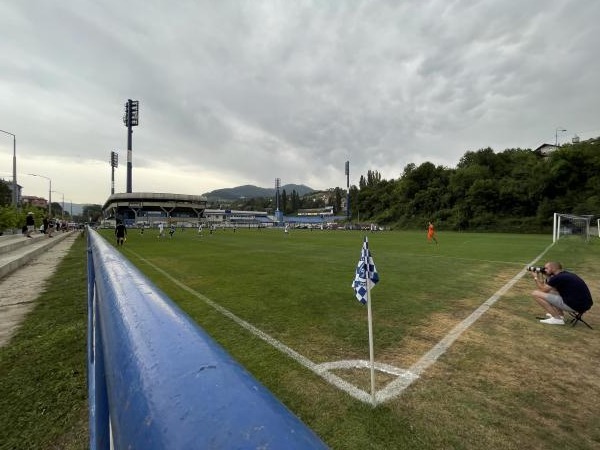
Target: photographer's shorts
x,y
557,301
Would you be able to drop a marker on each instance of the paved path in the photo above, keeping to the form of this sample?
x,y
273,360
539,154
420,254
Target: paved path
x,y
20,289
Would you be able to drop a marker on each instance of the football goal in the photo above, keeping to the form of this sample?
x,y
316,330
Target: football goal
x,y
571,225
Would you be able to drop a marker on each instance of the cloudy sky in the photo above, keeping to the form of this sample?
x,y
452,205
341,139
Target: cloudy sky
x,y
243,92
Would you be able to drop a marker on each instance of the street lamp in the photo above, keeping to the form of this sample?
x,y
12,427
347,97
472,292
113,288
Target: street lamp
x,y
14,190
49,191
556,135
62,211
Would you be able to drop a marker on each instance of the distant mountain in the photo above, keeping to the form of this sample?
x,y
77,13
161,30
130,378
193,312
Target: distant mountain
x,y
249,191
76,208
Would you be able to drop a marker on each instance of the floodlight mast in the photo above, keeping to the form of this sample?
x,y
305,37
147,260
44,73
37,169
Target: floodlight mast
x,y
130,119
114,163
278,214
347,190
277,186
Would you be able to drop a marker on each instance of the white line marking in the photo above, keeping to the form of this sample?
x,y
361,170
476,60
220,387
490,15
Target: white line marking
x,y
404,377
329,377
396,387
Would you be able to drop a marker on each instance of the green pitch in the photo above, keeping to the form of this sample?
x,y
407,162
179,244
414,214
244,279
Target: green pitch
x,y
507,382
297,287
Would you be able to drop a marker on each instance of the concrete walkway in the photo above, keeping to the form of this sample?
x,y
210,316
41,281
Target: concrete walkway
x,y
26,264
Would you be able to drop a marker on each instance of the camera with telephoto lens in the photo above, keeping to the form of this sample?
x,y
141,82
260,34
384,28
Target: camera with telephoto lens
x,y
537,269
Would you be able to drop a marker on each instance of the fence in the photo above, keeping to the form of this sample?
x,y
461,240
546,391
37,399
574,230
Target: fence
x,y
158,381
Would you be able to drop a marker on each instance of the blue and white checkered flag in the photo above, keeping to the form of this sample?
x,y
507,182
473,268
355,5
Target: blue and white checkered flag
x,y
365,269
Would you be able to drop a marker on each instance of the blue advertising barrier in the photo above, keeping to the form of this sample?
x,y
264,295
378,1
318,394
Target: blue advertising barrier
x,y
161,382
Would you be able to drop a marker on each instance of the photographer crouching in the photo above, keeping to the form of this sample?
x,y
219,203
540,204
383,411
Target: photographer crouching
x,y
559,290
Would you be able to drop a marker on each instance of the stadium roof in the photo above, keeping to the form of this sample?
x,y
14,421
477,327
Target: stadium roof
x,y
155,197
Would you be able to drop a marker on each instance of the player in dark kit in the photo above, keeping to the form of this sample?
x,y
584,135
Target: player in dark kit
x,y
120,233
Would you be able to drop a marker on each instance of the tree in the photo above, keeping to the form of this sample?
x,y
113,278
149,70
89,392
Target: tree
x,y
283,202
56,209
5,193
295,202
8,218
92,213
354,203
373,178
337,202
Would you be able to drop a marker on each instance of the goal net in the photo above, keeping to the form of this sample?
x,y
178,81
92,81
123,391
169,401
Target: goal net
x,y
571,225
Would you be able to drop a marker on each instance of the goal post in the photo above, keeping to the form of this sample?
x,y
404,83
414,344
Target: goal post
x,y
571,225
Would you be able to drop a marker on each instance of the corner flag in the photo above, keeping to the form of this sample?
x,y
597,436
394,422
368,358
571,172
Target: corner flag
x,y
365,273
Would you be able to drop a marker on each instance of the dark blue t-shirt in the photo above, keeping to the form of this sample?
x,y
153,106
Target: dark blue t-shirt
x,y
573,290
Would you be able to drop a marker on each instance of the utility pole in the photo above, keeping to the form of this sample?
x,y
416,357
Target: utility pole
x,y
15,198
556,136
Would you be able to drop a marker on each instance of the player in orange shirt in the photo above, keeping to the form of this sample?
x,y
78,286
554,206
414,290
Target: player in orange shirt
x,y
431,233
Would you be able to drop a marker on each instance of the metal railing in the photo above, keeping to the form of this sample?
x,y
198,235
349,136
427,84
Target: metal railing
x,y
158,381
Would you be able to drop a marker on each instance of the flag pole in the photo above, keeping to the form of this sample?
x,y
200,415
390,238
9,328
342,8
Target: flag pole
x,y
371,352
365,277
370,321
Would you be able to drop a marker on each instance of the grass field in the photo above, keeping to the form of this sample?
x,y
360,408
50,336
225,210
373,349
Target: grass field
x,y
507,382
43,394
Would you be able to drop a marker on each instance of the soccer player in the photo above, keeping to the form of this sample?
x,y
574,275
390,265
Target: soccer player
x,y
120,233
431,233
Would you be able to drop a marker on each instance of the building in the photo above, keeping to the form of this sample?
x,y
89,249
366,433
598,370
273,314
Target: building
x,y
19,190
546,149
226,218
149,208
326,211
34,201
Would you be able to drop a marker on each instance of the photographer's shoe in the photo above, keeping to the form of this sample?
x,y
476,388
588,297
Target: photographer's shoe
x,y
548,315
553,321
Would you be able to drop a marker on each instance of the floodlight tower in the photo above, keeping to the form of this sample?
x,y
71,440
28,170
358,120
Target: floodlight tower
x,y
278,213
348,190
130,119
114,163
